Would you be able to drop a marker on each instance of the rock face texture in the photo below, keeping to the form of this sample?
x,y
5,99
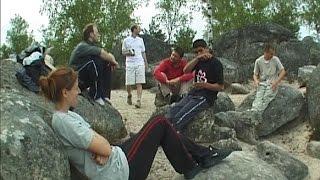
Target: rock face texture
x,y
242,47
313,98
240,166
288,105
29,147
313,149
304,74
291,167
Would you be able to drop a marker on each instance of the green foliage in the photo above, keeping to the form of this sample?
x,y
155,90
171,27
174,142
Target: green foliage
x,y
4,51
155,31
67,18
234,14
311,14
17,36
171,16
184,38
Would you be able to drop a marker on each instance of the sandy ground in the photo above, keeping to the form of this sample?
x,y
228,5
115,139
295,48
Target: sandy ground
x,y
293,140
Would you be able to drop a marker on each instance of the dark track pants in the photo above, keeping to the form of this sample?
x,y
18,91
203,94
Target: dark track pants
x,y
141,149
183,112
95,74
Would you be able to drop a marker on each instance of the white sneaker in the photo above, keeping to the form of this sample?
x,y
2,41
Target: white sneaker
x,y
100,101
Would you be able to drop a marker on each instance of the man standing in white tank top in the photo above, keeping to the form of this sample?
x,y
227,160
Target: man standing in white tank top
x,y
136,63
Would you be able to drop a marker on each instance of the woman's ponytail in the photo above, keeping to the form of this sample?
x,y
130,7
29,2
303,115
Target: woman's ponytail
x,y
53,84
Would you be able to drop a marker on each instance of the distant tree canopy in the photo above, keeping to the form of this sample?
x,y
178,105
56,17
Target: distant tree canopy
x,y
233,14
67,18
18,37
184,38
311,14
155,30
171,17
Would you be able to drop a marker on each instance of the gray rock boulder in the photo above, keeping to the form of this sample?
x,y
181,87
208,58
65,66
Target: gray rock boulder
x,y
240,165
243,46
223,103
314,49
237,88
313,101
230,70
105,120
276,156
304,74
27,118
313,149
230,143
288,105
244,123
29,147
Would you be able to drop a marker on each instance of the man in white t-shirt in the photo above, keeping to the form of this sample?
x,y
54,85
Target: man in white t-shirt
x,y
267,74
136,63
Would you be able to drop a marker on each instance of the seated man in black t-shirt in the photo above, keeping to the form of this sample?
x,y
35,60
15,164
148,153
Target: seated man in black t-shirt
x,y
94,65
208,81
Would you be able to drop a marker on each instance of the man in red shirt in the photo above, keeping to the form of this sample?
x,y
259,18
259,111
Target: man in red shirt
x,y
173,82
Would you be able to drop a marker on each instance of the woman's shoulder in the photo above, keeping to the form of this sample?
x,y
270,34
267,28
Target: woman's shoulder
x,y
62,117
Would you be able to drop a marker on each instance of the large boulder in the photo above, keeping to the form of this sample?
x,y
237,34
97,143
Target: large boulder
x,y
240,165
237,88
291,167
230,71
244,123
313,98
29,147
304,74
313,149
288,105
243,46
314,49
105,120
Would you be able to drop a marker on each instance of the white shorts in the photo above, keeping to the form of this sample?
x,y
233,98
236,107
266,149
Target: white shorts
x,y
135,74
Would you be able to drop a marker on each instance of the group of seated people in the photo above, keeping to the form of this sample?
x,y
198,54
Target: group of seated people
x,y
95,157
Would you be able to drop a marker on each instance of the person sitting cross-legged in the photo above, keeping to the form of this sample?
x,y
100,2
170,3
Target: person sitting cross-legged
x,y
172,81
94,65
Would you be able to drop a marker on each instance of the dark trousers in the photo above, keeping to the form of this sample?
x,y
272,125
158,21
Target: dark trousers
x,y
95,74
141,149
183,112
107,78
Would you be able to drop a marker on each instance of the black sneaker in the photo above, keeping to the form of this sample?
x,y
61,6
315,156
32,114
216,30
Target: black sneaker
x,y
215,156
191,174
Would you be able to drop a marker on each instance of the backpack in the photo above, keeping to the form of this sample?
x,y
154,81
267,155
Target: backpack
x,y
29,75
